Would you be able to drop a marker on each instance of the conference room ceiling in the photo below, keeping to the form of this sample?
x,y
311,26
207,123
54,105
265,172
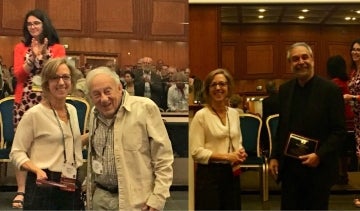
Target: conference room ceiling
x,y
324,14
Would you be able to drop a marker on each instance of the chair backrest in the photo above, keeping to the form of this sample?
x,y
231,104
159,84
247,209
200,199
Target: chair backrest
x,y
179,136
250,126
6,121
82,108
272,122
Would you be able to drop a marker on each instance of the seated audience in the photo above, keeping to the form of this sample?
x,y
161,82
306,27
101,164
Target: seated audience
x,y
178,93
236,102
129,78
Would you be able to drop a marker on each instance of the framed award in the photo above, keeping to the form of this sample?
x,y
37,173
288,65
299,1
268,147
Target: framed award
x,y
299,145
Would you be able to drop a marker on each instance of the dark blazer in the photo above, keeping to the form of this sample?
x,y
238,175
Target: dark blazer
x,y
324,120
155,86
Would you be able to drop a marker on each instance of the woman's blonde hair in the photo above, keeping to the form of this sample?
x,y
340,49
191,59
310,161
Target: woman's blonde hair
x,y
210,77
49,71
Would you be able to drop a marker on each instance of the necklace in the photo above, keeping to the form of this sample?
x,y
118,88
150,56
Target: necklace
x,y
217,114
230,147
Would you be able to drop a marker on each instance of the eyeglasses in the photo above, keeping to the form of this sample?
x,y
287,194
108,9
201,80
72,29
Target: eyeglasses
x,y
355,49
35,23
221,84
302,57
66,78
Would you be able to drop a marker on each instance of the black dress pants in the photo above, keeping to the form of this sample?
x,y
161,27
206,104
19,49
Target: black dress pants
x,y
216,188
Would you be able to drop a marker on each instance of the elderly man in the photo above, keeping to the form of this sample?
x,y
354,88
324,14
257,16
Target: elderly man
x,y
311,127
147,82
131,155
178,93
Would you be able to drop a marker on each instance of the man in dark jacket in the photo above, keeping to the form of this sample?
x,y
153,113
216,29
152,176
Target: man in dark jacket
x,y
311,107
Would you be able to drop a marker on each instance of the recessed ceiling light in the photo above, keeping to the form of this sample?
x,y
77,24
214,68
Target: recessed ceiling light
x,y
357,11
347,18
353,18
262,10
304,10
260,16
301,17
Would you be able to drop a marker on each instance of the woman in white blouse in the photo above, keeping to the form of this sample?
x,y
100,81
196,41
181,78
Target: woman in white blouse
x,y
216,146
47,143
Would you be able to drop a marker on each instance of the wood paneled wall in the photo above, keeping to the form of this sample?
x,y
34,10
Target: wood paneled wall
x,y
131,29
172,53
203,39
256,53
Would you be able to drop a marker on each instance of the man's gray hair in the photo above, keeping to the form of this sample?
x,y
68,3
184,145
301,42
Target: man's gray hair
x,y
296,45
101,70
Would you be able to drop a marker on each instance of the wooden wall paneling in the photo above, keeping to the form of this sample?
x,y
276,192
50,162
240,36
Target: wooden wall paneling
x,y
116,16
12,16
169,19
130,51
70,17
181,54
7,48
203,39
258,61
115,19
231,33
228,57
299,33
339,48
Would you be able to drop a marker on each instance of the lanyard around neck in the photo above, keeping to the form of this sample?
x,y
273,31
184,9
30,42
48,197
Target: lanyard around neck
x,y
228,121
62,132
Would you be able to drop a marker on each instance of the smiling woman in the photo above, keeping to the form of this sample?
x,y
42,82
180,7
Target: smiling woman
x,y
54,142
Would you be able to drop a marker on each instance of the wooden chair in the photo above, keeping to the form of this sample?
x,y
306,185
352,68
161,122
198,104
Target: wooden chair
x,y
250,126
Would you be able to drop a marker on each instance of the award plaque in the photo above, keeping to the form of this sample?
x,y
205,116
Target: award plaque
x,y
300,145
50,183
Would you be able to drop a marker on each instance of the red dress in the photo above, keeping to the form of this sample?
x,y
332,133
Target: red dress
x,y
26,94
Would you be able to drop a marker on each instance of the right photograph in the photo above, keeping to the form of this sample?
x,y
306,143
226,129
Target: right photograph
x,y
274,101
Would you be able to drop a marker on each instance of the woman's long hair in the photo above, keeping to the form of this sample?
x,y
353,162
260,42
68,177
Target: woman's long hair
x,y
48,29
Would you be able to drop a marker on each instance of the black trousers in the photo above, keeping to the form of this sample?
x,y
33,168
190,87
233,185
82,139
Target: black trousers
x,y
49,197
301,191
216,188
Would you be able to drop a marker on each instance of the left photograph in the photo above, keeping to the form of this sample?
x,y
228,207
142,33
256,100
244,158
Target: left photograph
x,y
94,105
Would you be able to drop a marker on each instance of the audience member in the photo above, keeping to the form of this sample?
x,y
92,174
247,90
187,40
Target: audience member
x,y
131,153
336,70
147,82
311,110
236,102
41,42
129,82
354,96
178,93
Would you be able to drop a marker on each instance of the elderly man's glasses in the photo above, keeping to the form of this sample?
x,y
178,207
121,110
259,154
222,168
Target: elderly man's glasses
x,y
35,23
66,78
355,50
221,84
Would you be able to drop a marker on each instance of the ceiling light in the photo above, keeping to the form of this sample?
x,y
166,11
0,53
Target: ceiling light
x,y
260,16
304,10
301,17
353,18
262,10
357,11
347,18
